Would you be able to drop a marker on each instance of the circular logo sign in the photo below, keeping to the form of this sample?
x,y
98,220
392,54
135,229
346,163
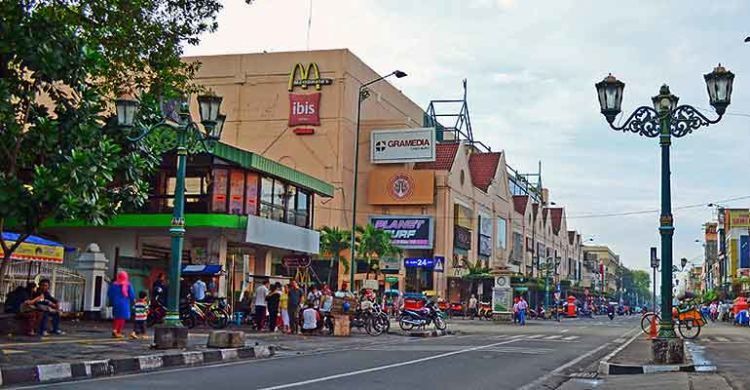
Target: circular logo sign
x,y
401,187
501,281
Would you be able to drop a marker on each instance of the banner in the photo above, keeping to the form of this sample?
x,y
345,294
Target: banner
x,y
35,249
403,145
400,187
461,237
219,199
407,232
737,219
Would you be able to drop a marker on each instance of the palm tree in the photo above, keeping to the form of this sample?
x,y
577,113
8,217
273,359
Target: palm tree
x,y
477,271
374,244
332,241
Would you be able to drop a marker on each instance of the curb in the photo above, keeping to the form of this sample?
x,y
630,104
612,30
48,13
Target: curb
x,y
607,368
44,373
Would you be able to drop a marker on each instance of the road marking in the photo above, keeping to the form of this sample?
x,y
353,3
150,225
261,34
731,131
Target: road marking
x,y
570,338
565,331
535,336
721,339
553,337
385,367
537,383
516,336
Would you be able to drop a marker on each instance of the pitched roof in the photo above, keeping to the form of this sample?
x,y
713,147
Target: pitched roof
x,y
483,167
520,202
545,214
557,214
445,153
535,209
571,237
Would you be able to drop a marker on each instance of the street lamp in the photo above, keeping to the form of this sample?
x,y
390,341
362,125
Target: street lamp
x,y
665,120
362,94
177,118
549,267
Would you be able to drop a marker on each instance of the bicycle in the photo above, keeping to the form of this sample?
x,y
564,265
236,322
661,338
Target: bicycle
x,y
688,318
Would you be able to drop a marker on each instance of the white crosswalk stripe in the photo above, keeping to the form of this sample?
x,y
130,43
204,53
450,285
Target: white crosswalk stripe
x,y
535,336
570,338
552,337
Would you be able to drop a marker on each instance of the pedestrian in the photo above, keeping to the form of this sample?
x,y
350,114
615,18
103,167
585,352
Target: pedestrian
x,y
121,297
141,314
522,306
515,310
198,290
49,308
260,305
310,318
159,290
472,306
284,307
314,296
273,299
23,304
295,298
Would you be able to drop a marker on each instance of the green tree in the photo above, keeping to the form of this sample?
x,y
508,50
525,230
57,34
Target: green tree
x,y
332,242
62,63
374,244
476,272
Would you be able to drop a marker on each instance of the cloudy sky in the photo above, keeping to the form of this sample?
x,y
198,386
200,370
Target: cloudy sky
x,y
531,67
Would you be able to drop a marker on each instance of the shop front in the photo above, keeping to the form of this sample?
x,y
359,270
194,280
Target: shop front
x,y
244,215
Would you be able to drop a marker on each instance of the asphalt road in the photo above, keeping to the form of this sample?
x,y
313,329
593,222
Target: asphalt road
x,y
482,355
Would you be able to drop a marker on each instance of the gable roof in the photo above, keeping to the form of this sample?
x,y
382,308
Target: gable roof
x,y
520,202
571,237
557,214
483,167
445,153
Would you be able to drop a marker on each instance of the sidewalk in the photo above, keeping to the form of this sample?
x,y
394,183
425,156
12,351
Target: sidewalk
x,y
664,381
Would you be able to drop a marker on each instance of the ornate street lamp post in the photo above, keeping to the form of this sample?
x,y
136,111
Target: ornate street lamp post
x,y
177,117
665,120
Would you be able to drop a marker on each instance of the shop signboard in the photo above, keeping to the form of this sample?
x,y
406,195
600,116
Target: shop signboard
x,y
402,145
461,237
400,187
419,262
407,232
304,109
738,219
502,299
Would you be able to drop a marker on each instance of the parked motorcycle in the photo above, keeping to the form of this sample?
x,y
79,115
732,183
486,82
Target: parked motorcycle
x,y
485,310
422,318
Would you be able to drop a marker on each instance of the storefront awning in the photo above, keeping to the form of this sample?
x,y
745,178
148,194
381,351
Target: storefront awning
x,y
201,269
34,249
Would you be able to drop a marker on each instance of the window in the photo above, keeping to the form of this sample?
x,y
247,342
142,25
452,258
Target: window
x,y
502,233
284,203
195,188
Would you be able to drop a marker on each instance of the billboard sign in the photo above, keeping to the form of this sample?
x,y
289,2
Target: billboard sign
x,y
419,262
407,232
402,146
304,109
738,218
400,187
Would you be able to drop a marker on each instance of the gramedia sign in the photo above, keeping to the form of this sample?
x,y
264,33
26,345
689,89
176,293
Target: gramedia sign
x,y
403,145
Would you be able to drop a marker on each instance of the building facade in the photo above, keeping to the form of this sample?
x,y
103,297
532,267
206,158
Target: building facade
x,y
603,265
448,201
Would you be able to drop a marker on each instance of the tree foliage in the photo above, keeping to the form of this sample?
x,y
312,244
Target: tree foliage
x,y
374,244
62,63
332,242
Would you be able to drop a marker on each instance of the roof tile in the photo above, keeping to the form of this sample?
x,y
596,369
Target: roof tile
x,y
483,167
520,202
445,153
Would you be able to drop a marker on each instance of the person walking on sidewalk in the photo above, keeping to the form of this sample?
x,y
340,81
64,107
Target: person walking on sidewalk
x,y
284,307
521,308
472,306
273,300
260,305
141,313
121,297
295,298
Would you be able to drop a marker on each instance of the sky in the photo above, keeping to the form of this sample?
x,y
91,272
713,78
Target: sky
x,y
531,68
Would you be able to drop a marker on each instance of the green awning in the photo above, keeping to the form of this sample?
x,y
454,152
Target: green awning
x,y
227,221
259,163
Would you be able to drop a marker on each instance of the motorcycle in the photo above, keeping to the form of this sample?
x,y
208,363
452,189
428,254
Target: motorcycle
x,y
485,310
422,318
456,309
369,317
